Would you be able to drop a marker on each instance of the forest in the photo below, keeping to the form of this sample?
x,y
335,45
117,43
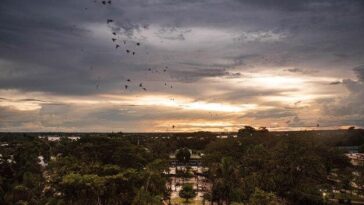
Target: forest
x,y
256,167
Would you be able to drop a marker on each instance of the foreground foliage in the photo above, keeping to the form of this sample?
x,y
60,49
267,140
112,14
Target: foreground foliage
x,y
257,168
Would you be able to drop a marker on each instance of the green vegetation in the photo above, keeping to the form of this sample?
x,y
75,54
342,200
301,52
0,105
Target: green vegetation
x,y
187,192
116,169
183,155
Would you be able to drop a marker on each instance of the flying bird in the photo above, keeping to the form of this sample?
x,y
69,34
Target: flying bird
x,y
109,21
141,85
128,80
133,53
138,44
114,33
126,87
117,46
128,51
113,39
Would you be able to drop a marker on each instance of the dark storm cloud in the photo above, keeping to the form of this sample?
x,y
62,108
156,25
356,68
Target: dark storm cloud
x,y
47,45
359,72
65,48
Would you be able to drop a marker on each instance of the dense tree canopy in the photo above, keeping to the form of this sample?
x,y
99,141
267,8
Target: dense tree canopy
x,y
117,169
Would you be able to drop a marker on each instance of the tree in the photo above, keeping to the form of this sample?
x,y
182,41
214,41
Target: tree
x,y
260,197
187,192
183,155
145,198
263,129
225,180
247,131
351,128
361,148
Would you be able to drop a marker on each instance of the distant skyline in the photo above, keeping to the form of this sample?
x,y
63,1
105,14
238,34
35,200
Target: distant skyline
x,y
198,65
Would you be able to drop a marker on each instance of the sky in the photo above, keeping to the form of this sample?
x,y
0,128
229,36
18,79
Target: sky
x,y
213,65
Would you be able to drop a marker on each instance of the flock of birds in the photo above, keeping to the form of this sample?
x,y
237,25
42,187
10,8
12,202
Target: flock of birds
x,y
123,44
130,48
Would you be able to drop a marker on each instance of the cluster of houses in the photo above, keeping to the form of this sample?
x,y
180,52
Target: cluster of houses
x,y
356,159
55,138
352,152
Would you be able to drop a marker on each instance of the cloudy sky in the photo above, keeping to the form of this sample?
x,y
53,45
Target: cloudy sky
x,y
206,65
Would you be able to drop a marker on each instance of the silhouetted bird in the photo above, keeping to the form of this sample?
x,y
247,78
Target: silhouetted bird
x,y
128,51
149,69
109,2
113,39
104,2
128,80
117,46
113,33
144,89
173,126
138,44
126,87
140,85
133,53
109,21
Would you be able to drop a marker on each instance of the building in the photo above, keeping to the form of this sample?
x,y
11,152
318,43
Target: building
x,y
356,158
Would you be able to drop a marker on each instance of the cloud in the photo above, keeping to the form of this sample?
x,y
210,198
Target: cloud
x,y
299,70
195,74
335,83
359,71
349,109
271,114
59,49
